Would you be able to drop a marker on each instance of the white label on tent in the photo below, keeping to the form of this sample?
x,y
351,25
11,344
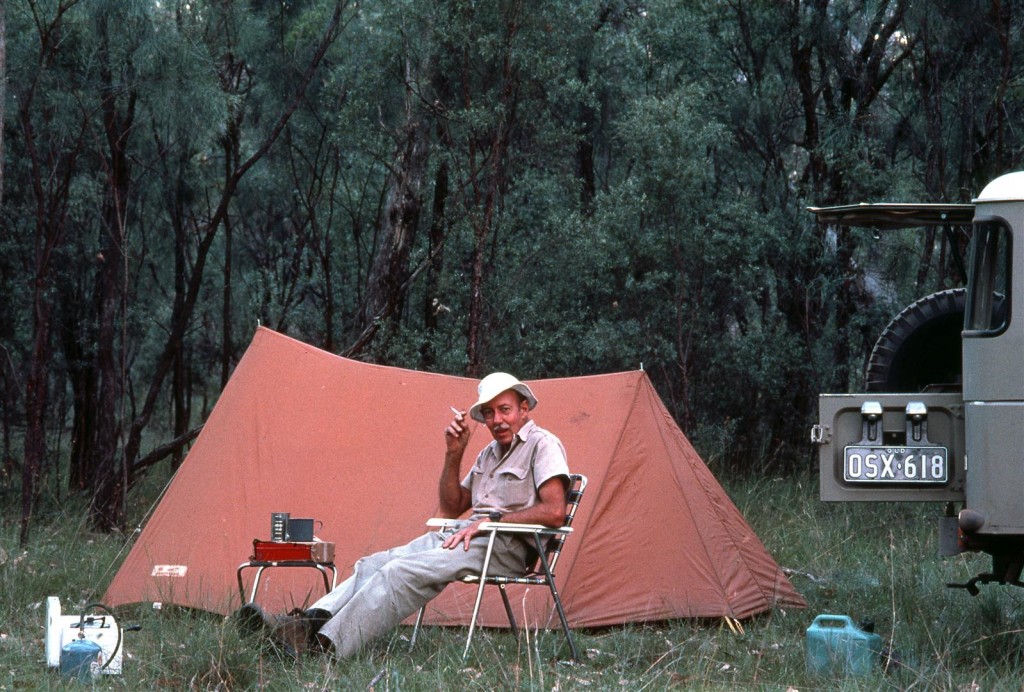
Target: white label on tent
x,y
169,570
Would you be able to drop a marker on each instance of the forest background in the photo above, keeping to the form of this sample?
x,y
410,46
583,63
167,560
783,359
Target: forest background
x,y
551,188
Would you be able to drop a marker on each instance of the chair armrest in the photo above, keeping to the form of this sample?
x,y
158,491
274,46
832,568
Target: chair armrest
x,y
441,522
506,527
503,527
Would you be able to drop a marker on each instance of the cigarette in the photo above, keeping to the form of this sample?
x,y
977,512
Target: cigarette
x,y
456,411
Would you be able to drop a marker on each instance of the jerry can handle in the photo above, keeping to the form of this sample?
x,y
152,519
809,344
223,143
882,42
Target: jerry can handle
x,y
825,619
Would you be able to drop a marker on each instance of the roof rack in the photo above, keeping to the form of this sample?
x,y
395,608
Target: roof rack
x,y
891,215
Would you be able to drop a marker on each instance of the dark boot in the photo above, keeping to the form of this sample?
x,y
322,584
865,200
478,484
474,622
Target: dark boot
x,y
250,619
291,634
318,617
323,645
318,643
295,633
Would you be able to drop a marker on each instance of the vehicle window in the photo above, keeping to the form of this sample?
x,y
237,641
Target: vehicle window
x,y
989,284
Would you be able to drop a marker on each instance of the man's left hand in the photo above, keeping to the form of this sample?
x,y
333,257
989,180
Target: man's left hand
x,y
463,536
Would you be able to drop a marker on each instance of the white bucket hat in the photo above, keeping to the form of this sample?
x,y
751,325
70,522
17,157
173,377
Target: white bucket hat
x,y
493,385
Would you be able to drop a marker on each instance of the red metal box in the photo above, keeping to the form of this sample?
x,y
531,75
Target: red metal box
x,y
281,551
278,551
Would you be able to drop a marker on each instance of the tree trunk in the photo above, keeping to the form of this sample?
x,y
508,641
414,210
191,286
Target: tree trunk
x,y
3,89
227,348
109,476
388,281
81,375
50,166
433,304
35,403
178,213
234,80
487,185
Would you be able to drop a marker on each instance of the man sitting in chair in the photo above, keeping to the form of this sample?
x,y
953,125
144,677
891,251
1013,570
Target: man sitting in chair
x,y
520,477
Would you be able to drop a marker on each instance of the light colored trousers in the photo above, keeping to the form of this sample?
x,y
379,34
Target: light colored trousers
x,y
389,586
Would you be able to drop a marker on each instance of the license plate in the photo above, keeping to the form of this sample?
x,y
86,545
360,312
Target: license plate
x,y
895,465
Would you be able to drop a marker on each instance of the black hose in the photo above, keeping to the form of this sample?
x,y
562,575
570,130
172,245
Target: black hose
x,y
117,646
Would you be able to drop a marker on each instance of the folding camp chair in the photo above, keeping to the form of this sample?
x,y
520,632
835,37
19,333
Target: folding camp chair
x,y
543,573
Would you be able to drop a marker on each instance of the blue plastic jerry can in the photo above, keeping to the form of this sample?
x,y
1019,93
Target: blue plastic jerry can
x,y
80,659
837,646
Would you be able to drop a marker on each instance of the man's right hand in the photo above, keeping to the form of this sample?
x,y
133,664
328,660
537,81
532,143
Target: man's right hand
x,y
456,435
454,498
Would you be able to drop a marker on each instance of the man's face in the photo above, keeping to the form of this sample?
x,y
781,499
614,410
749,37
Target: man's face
x,y
505,415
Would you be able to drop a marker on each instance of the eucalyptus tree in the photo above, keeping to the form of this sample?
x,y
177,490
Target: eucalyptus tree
x,y
3,87
830,102
739,115
957,106
958,99
328,260
210,216
53,137
93,82
454,74
521,130
448,109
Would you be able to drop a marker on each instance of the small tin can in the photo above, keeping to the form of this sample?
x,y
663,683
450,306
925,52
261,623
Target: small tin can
x,y
279,526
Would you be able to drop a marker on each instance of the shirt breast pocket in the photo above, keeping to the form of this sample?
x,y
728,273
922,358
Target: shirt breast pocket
x,y
516,487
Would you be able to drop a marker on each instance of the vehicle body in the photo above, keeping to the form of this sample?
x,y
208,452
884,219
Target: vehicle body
x,y
930,427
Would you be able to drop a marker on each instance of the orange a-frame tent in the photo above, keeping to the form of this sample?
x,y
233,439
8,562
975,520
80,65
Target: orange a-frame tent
x,y
359,447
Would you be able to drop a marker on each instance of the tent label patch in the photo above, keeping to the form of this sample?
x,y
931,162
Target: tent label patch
x,y
169,570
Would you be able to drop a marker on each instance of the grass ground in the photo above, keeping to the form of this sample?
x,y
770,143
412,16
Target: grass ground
x,y
870,561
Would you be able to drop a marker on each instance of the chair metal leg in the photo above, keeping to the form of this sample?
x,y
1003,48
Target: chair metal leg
x,y
508,611
416,627
479,592
555,597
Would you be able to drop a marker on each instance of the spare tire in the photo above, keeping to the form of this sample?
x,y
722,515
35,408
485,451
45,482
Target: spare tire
x,y
921,348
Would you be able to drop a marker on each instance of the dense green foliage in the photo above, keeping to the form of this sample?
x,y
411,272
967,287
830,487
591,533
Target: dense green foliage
x,y
550,188
868,561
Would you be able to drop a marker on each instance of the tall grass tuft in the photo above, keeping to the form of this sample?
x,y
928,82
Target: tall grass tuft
x,y
873,562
